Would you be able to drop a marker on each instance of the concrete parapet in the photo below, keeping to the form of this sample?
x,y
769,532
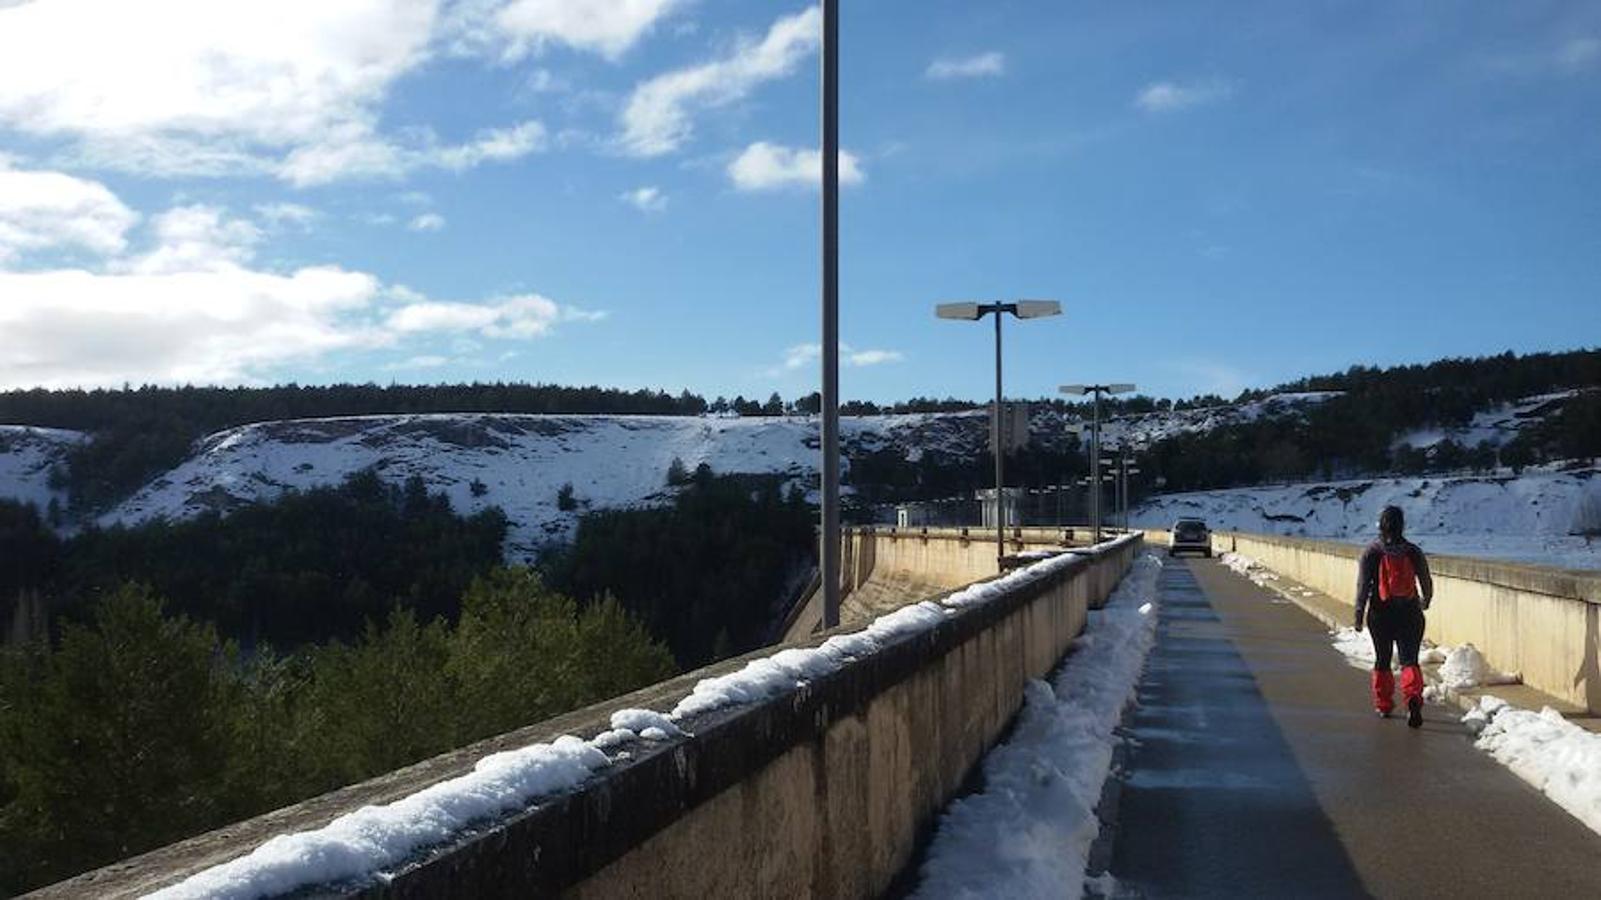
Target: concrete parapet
x,y
883,568
1541,622
824,790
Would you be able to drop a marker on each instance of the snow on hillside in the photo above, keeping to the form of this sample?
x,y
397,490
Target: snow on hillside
x,y
1496,426
1526,518
27,455
522,461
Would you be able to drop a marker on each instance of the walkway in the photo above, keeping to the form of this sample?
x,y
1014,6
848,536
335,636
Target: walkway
x,y
1258,770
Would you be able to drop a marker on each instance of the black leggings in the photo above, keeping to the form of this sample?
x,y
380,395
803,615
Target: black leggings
x,y
1395,623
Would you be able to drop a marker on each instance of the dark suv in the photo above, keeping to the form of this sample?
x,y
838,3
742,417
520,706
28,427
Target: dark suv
x,y
1190,534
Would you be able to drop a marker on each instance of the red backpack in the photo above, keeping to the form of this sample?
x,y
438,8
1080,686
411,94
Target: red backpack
x,y
1398,577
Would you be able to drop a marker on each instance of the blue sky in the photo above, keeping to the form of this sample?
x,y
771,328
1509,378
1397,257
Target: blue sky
x,y
1222,195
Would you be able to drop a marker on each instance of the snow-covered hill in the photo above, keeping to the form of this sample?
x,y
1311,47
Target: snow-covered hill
x,y
520,461
1149,428
1526,518
1496,426
27,456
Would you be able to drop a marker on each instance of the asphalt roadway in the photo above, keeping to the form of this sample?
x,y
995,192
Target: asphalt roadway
x,y
1258,769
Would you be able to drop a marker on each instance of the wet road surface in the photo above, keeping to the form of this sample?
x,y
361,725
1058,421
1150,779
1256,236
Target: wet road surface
x,y
1258,769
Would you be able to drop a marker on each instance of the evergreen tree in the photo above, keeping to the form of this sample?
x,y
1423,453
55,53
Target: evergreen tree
x,y
115,743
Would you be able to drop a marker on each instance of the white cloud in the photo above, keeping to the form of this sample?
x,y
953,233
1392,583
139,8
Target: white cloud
x,y
279,215
764,166
358,152
872,357
198,86
189,309
984,65
1167,96
195,87
424,361
648,199
427,222
194,239
803,355
607,27
193,305
657,118
50,210
493,145
522,316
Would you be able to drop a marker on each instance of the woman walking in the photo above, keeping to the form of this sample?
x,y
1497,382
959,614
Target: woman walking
x,y
1393,589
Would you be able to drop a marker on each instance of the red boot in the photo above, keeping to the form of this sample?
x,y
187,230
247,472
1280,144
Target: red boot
x,y
1383,691
1412,690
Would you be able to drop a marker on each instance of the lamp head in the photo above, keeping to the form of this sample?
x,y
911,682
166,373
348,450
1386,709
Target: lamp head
x,y
1038,309
968,311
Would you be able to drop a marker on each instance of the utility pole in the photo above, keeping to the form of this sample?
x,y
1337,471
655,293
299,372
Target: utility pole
x,y
829,561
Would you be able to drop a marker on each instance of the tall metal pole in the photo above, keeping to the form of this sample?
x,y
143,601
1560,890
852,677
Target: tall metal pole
x,y
1000,496
1128,460
830,393
1095,468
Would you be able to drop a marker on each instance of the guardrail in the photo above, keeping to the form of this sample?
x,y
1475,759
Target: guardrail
x,y
824,789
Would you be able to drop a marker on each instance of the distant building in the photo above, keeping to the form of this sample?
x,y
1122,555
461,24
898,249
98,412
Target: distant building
x,y
1014,498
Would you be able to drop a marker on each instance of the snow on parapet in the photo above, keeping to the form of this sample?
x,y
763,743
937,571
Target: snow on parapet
x,y
357,846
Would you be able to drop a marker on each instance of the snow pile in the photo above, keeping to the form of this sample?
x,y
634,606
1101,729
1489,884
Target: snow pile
x,y
1029,832
1465,667
1241,564
27,457
1355,646
1558,757
1526,518
374,837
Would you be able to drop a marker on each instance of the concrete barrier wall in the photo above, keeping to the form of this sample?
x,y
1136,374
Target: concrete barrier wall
x,y
1542,622
883,568
825,790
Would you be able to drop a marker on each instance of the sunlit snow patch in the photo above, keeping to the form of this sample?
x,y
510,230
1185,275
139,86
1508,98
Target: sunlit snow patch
x,y
1558,757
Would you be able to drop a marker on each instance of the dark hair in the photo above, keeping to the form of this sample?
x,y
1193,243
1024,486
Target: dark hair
x,y
1391,523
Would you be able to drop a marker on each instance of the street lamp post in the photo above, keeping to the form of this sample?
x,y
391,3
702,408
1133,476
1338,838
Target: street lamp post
x,y
1079,390
972,312
829,558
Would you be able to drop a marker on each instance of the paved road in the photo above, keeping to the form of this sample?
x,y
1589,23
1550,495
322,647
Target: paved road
x,y
1258,770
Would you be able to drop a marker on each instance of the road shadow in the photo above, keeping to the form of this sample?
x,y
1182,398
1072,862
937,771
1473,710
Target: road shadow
x,y
1214,802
